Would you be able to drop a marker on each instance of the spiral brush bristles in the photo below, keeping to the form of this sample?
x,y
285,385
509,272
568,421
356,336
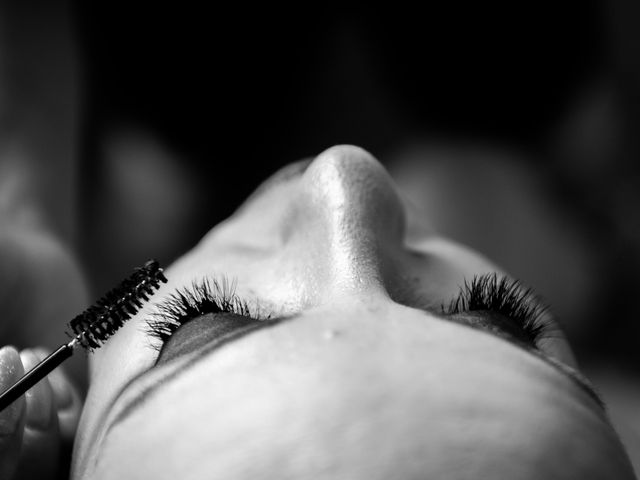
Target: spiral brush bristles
x,y
98,322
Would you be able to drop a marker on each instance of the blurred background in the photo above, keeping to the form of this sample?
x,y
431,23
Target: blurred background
x,y
128,129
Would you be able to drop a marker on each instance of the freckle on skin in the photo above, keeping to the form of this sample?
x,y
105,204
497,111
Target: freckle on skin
x,y
330,334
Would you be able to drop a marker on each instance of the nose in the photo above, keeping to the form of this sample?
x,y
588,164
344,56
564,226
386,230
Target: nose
x,y
348,218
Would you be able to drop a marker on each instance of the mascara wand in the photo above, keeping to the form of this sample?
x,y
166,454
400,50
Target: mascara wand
x,y
95,325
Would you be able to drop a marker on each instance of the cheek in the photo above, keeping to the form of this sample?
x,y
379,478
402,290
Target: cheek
x,y
438,268
130,351
125,355
443,268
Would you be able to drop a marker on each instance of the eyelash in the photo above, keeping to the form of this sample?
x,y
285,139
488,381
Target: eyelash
x,y
488,292
208,295
507,297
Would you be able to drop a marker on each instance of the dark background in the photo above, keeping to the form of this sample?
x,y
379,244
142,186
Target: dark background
x,y
233,94
135,127
280,85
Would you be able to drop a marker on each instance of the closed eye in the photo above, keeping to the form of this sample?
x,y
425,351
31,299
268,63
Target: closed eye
x,y
210,312
204,297
504,304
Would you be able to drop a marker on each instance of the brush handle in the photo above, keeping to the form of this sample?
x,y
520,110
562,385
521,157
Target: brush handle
x,y
34,375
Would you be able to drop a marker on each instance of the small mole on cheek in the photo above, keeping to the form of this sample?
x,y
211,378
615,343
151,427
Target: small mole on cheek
x,y
330,334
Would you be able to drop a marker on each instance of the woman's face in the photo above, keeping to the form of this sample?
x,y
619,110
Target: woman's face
x,y
356,374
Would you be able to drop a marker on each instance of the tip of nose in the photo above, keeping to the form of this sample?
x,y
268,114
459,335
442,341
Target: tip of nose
x,y
348,180
346,160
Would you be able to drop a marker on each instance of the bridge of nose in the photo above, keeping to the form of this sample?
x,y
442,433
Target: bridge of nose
x,y
347,218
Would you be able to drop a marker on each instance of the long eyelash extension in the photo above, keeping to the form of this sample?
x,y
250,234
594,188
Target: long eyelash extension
x,y
507,297
207,295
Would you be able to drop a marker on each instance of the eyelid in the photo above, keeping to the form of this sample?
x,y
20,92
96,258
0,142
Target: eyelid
x,y
576,376
137,390
573,374
494,323
501,294
209,329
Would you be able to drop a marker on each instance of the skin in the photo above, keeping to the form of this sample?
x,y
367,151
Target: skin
x,y
359,381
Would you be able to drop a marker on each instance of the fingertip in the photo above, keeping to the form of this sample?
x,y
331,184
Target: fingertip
x,y
66,397
62,392
11,369
39,454
12,417
41,411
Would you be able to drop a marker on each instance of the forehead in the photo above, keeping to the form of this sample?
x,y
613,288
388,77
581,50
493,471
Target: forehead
x,y
384,386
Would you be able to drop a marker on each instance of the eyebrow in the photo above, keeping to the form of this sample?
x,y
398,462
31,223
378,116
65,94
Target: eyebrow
x,y
138,401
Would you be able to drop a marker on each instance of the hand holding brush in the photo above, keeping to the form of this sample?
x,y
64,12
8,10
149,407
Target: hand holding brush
x,y
53,405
